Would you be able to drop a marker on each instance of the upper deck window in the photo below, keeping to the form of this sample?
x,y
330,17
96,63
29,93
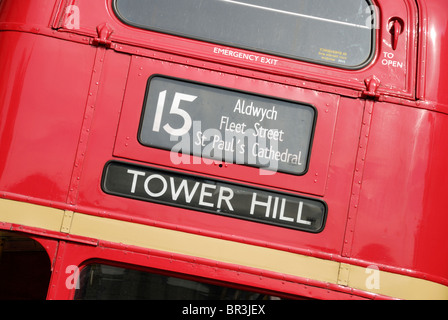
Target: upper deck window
x,y
335,32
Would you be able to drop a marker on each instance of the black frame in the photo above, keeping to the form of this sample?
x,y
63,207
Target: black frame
x,y
313,129
202,178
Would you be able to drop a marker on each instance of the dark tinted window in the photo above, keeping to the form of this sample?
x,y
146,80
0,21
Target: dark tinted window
x,y
104,282
25,268
337,32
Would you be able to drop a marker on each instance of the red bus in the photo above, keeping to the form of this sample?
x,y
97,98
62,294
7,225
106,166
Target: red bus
x,y
221,149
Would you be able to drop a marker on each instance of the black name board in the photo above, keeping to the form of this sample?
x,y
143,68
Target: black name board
x,y
220,124
214,196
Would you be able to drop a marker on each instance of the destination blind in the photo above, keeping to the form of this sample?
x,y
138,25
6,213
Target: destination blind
x,y
214,196
226,125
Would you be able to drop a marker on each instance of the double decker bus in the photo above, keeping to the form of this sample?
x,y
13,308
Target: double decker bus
x,y
220,149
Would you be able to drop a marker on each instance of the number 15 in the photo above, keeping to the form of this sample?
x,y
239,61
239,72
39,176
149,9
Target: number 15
x,y
175,109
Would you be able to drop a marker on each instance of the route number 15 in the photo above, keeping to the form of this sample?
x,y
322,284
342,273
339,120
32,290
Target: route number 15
x,y
175,109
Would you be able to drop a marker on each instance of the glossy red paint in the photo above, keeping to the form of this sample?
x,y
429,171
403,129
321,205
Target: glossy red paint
x,y
432,62
74,254
71,99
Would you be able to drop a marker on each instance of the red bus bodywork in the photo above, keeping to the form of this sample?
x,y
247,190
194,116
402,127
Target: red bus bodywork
x,y
71,100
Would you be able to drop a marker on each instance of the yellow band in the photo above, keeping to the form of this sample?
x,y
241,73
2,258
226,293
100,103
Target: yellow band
x,y
366,279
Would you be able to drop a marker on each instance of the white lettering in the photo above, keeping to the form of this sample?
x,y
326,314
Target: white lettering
x,y
134,180
387,60
254,111
210,311
260,203
232,126
388,55
182,186
155,194
299,215
272,154
270,134
282,213
274,211
176,110
392,63
226,198
239,55
206,194
216,195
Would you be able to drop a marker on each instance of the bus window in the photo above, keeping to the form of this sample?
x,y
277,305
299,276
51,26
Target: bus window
x,y
25,268
105,282
335,32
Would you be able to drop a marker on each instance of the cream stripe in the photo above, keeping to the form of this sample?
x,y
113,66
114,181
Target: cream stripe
x,y
204,247
30,215
390,284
